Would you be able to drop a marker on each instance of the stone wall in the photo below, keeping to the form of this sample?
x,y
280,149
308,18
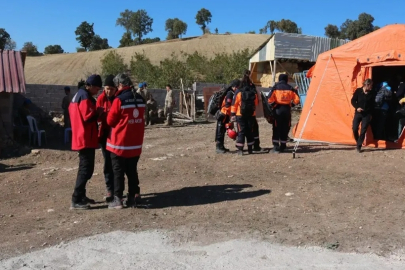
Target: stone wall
x,y
48,98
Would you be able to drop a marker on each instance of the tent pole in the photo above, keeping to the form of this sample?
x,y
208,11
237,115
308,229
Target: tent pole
x,y
274,71
310,109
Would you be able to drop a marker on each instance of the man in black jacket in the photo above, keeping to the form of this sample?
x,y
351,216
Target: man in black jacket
x,y
363,101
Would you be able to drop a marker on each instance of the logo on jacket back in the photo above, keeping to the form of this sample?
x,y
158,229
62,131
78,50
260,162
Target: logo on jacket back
x,y
135,113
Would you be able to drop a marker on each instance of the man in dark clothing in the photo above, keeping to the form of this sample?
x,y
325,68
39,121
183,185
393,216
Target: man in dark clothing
x,y
363,101
400,94
83,116
224,117
281,98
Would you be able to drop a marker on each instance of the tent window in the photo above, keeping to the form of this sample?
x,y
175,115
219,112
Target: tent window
x,y
386,124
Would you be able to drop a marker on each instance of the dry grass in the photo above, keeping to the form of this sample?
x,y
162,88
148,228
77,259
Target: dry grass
x,y
67,69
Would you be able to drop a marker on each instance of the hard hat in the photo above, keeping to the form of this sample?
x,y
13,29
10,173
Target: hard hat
x,y
231,134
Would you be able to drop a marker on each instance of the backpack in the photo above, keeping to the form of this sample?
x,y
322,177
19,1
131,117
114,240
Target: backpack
x,y
215,102
248,107
383,95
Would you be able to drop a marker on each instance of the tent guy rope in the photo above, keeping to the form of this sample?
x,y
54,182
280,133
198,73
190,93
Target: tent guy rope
x,y
310,109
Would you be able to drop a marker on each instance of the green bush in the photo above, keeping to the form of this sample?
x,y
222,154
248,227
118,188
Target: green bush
x,y
112,63
222,68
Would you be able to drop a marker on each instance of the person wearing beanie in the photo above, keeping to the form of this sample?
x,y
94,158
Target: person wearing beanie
x,y
281,97
65,106
83,116
104,102
147,96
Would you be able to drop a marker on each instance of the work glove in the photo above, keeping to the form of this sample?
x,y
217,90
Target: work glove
x,y
233,118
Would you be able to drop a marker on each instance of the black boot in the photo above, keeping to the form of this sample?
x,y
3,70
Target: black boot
x,y
283,146
220,148
276,148
250,149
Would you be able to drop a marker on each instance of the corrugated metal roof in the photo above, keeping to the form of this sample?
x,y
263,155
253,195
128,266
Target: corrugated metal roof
x,y
12,79
295,46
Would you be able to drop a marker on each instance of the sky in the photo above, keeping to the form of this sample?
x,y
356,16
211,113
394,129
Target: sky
x,y
50,22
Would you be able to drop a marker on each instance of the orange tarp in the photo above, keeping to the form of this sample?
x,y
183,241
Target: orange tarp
x,y
336,76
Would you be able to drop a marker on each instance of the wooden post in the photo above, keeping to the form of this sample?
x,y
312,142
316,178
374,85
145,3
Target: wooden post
x,y
274,71
184,95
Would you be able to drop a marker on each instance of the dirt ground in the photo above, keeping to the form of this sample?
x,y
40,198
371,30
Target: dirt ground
x,y
329,196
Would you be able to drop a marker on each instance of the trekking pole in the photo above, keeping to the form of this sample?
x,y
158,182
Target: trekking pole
x,y
310,109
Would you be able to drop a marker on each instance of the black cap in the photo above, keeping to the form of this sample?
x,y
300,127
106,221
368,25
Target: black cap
x,y
109,81
235,83
94,80
283,77
66,88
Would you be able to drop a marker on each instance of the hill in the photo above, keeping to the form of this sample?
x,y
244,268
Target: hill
x,y
67,69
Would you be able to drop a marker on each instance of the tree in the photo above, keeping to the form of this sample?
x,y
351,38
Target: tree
x,y
126,40
176,28
112,63
285,26
80,49
203,18
353,29
53,49
288,26
85,34
332,31
10,44
216,31
125,20
4,38
141,24
99,43
251,32
31,49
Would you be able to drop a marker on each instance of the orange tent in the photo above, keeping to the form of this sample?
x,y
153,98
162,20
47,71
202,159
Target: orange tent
x,y
327,114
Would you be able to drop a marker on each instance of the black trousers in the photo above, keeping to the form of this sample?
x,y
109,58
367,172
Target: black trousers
x,y
281,126
364,120
256,133
245,126
220,130
125,166
84,173
378,124
107,169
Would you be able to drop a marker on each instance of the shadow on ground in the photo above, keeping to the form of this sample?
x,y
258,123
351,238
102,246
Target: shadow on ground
x,y
6,168
200,195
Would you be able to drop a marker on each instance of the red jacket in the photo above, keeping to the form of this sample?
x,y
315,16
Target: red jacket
x,y
103,102
83,118
127,123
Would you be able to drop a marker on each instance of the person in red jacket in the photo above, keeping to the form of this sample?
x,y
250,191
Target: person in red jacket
x,y
104,102
83,118
125,141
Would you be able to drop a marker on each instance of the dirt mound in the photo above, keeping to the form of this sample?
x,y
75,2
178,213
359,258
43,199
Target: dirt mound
x,y
62,69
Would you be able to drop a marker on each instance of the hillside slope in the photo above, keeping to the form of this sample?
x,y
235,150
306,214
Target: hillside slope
x,y
67,69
